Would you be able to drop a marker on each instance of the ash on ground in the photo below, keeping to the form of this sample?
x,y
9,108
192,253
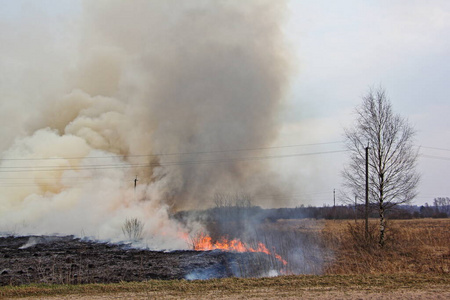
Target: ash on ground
x,y
70,260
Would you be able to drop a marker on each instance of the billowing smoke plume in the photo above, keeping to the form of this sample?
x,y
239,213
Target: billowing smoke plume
x,y
135,89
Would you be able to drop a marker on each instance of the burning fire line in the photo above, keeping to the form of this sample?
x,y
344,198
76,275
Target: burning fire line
x,y
204,243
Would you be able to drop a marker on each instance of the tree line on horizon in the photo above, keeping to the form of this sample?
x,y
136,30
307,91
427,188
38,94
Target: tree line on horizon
x,y
235,212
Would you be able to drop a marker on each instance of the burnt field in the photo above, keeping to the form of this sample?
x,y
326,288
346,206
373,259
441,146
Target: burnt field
x,y
69,260
315,247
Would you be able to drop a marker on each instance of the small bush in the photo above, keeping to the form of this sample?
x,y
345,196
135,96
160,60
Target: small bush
x,y
132,229
359,238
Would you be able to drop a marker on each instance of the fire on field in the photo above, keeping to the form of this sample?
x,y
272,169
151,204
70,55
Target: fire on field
x,y
240,227
418,246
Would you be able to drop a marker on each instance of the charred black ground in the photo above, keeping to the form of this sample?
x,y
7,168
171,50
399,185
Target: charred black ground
x,y
52,259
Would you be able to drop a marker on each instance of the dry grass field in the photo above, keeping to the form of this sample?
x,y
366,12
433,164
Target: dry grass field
x,y
414,264
397,286
413,246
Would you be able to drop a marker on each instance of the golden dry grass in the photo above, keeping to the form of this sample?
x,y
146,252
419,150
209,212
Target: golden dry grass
x,y
412,246
303,286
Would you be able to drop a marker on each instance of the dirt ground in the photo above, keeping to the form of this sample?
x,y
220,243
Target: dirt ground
x,y
431,292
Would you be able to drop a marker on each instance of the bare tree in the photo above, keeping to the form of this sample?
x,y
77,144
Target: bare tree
x,y
442,205
392,158
229,200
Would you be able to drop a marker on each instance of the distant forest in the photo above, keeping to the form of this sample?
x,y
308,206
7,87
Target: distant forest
x,y
238,211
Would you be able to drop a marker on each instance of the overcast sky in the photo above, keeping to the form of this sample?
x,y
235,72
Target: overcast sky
x,y
345,47
339,50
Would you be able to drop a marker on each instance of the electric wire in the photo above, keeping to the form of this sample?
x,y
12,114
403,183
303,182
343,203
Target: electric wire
x,y
149,165
435,157
434,148
173,153
4,182
205,152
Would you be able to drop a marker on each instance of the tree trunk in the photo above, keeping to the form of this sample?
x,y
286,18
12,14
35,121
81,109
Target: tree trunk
x,y
382,226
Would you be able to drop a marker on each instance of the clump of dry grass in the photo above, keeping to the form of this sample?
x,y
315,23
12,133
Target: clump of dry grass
x,y
132,229
412,246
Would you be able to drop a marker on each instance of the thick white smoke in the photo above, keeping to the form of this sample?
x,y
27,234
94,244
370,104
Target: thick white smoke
x,y
135,88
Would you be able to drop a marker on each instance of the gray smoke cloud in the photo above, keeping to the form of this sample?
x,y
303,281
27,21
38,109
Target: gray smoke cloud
x,y
136,88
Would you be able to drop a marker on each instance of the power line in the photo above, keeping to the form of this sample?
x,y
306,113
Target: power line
x,y
434,148
52,168
172,154
196,152
148,165
435,157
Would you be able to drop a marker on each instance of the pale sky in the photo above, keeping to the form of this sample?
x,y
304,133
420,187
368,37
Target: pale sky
x,y
339,50
345,47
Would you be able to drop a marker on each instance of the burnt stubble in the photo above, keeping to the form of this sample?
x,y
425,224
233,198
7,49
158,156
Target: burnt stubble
x,y
70,260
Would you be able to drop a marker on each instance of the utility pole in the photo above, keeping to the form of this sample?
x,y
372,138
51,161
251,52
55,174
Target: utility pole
x,y
135,182
334,203
356,211
367,193
334,197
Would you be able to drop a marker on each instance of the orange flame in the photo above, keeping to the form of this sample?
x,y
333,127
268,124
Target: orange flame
x,y
204,243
